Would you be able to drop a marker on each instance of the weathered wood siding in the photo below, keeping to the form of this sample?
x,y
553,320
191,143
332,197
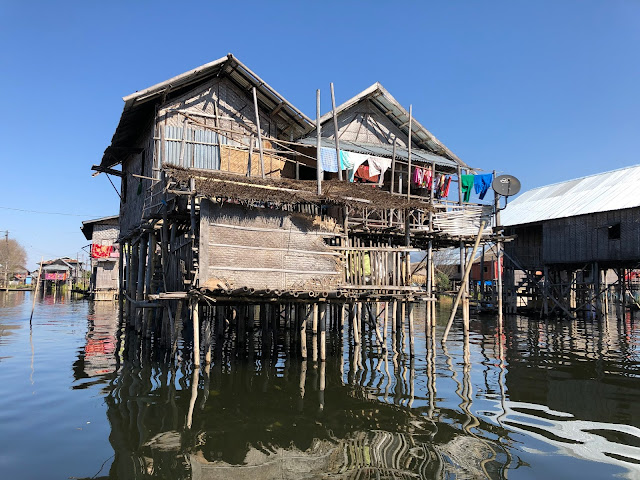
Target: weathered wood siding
x,y
261,248
222,104
107,275
105,233
132,203
585,238
365,123
526,248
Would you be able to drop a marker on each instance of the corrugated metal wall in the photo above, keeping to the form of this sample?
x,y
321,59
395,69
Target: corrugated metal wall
x,y
201,148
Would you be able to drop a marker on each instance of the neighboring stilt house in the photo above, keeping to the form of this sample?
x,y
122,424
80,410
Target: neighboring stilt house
x,y
567,237
222,200
105,251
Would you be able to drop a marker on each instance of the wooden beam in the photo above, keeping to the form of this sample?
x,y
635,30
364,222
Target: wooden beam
x,y
100,169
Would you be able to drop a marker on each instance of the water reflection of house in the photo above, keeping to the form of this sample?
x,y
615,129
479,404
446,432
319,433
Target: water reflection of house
x,y
287,419
105,251
97,358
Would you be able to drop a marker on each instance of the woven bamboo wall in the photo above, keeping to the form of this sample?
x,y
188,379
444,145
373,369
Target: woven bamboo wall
x,y
262,248
235,160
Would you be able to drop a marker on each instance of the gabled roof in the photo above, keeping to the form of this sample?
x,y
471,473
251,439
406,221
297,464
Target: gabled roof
x,y
140,106
87,225
603,192
392,109
382,150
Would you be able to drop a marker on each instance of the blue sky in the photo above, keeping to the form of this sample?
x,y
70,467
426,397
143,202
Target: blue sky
x,y
544,90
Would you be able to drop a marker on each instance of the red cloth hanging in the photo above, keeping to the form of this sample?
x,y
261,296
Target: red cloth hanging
x,y
101,251
363,174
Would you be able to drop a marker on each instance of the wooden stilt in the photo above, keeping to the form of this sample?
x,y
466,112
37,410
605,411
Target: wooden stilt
x,y
323,332
411,331
464,279
355,323
196,333
303,332
314,320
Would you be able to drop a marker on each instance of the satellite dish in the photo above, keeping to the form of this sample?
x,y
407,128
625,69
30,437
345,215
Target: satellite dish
x,y
506,185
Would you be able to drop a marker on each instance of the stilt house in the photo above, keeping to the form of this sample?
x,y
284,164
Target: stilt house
x,y
567,236
105,251
222,193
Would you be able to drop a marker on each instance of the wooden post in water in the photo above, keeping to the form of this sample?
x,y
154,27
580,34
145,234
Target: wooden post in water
x,y
394,316
385,324
467,270
323,332
196,333
500,246
303,331
35,292
355,323
314,320
411,331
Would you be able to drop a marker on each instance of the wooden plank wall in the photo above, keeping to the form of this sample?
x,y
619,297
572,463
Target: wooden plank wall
x,y
526,248
585,238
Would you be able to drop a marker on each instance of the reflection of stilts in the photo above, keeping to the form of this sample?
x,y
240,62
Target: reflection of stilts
x,y
194,395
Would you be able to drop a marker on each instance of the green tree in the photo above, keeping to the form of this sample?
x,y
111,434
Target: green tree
x,y
12,257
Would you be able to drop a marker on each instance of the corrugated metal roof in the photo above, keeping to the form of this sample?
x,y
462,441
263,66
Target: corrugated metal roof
x,y
382,150
391,108
139,106
614,190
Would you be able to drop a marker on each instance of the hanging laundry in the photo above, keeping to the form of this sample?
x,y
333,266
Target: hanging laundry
x,y
350,162
379,165
466,184
364,174
436,187
417,176
427,178
445,186
481,183
328,159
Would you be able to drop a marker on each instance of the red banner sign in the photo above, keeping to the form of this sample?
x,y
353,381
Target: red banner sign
x,y
55,276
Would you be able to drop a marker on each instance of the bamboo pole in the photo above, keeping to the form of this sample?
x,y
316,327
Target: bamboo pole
x,y
314,320
411,335
409,154
35,292
335,128
354,322
302,312
467,270
255,106
196,334
323,332
500,247
319,172
393,163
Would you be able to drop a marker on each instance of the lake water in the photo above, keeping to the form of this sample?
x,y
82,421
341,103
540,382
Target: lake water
x,y
81,398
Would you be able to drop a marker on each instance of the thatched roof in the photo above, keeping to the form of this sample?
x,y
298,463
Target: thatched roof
x,y
288,191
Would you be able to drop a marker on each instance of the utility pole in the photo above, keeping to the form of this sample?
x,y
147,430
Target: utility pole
x,y
6,261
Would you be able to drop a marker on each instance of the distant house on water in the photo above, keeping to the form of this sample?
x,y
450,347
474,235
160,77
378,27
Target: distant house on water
x,y
105,252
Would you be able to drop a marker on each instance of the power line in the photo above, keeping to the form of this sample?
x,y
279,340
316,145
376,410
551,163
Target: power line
x,y
44,213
